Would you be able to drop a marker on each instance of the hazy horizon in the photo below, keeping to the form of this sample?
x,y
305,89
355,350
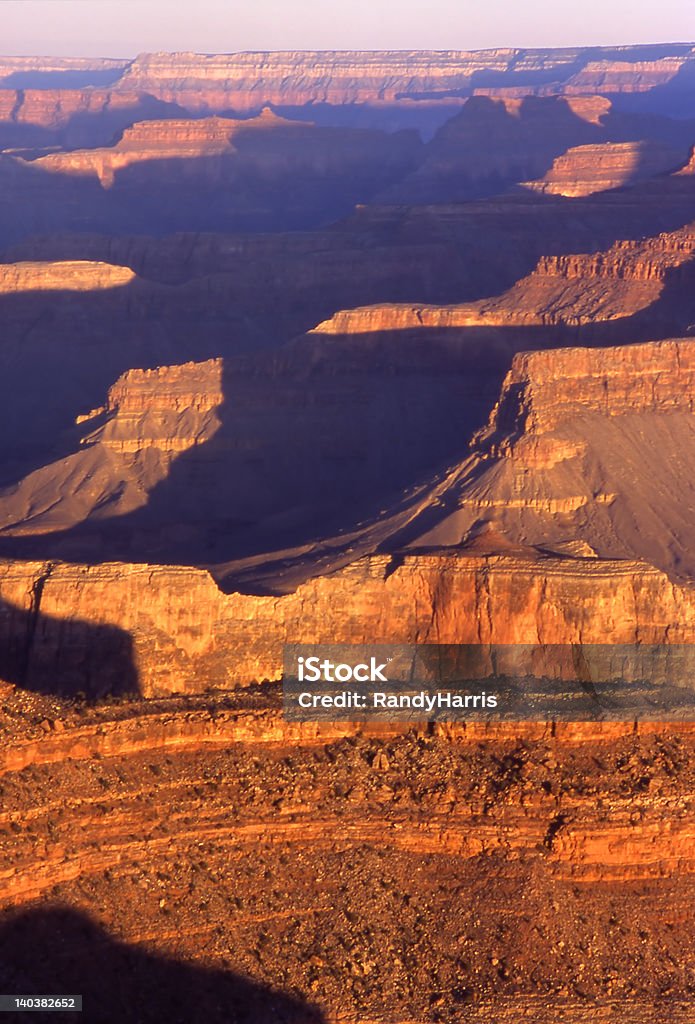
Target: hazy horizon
x,y
124,28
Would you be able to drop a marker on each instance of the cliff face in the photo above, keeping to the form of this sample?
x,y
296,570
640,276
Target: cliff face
x,y
560,145
55,109
584,170
265,173
576,289
60,65
150,417
55,118
495,142
573,461
543,534
187,636
548,389
240,81
623,76
62,276
267,145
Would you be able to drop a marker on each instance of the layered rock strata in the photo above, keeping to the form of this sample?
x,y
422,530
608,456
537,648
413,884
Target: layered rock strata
x,y
583,170
239,81
150,417
317,860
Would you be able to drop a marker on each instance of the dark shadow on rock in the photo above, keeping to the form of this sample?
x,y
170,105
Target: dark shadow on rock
x,y
323,435
493,145
280,176
99,123
675,98
273,288
64,657
68,79
59,950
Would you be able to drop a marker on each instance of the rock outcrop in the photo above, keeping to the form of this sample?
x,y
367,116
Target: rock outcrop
x,y
242,81
577,290
561,145
73,117
149,418
264,173
573,460
62,276
187,636
266,145
584,170
545,533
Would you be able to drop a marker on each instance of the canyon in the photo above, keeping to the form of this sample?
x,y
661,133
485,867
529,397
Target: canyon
x,y
347,348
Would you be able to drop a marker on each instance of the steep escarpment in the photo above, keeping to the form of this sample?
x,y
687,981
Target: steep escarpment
x,y
62,276
583,170
493,143
73,117
264,173
265,140
243,80
573,460
149,418
563,523
646,284
584,290
175,631
562,145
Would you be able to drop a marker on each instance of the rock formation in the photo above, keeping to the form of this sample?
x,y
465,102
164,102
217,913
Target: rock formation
x,y
267,145
73,117
562,524
149,418
249,358
239,81
583,170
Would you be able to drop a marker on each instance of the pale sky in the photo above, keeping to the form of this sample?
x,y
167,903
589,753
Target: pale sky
x,y
123,28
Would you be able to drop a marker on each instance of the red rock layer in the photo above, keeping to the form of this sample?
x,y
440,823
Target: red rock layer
x,y
186,635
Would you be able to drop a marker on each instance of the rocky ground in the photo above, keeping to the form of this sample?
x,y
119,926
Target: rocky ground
x,y
435,875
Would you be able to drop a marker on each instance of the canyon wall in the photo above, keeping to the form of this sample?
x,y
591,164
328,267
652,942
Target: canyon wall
x,y
126,449
267,146
174,631
240,81
576,433
577,289
545,389
583,170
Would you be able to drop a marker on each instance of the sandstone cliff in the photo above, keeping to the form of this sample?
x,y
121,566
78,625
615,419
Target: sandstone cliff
x,y
575,289
583,170
241,81
149,418
267,144
561,145
62,276
187,636
573,461
543,534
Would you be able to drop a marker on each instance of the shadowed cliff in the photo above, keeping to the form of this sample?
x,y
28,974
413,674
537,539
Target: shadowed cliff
x,y
60,950
46,654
